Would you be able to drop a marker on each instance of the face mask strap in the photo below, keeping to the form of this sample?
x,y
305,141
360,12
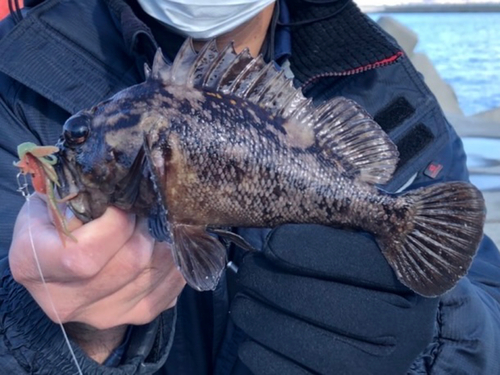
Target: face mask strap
x,y
269,44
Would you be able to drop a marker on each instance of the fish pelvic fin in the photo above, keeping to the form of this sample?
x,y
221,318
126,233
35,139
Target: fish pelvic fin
x,y
200,257
442,239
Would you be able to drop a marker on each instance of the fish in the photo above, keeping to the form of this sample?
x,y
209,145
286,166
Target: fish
x,y
219,139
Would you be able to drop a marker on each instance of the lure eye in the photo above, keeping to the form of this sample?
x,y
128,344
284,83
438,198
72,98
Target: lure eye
x,y
76,130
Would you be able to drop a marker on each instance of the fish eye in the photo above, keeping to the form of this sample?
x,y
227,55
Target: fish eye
x,y
76,130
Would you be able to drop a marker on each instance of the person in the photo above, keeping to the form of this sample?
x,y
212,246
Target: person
x,y
314,300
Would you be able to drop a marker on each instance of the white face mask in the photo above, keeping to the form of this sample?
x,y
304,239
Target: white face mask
x,y
203,19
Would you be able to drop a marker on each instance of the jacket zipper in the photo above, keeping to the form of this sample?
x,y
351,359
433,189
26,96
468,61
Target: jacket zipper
x,y
385,62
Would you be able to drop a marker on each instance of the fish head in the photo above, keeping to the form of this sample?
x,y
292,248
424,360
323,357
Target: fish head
x,y
101,162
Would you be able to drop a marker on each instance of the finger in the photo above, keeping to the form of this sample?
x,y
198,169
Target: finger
x,y
300,341
97,243
159,299
314,299
323,251
140,301
124,267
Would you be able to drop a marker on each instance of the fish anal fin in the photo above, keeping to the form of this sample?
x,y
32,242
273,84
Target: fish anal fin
x,y
346,132
200,257
439,245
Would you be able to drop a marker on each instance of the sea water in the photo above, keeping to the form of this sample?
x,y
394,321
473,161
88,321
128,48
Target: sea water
x,y
465,49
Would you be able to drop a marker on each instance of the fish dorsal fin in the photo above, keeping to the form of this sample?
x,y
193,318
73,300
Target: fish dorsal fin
x,y
202,65
160,70
183,62
147,71
340,128
234,71
219,67
246,79
345,130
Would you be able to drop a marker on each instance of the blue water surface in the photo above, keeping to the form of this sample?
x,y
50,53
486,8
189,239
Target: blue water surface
x,y
465,49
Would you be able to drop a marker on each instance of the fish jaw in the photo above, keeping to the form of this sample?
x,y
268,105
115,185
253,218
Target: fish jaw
x,y
86,203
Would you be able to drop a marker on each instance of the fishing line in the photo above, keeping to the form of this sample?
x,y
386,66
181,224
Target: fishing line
x,y
23,188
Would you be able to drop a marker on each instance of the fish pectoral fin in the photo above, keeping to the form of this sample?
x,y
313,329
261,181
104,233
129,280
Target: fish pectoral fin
x,y
233,237
200,257
346,132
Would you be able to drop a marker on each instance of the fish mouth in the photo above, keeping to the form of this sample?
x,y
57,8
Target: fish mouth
x,y
87,200
70,189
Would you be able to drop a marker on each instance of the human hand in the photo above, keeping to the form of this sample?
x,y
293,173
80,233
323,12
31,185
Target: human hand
x,y
114,275
324,300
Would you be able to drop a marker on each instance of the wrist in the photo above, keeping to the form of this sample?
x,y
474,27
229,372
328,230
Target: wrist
x,y
97,344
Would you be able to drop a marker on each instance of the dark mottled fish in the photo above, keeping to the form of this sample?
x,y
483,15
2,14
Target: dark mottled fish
x,y
222,139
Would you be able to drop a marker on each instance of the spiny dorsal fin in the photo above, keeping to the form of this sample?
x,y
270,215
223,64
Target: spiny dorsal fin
x,y
219,67
339,127
183,63
160,70
202,64
147,71
240,62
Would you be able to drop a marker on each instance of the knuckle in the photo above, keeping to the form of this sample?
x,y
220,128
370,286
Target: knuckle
x,y
79,267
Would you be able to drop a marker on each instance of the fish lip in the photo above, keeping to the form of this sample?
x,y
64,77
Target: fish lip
x,y
65,173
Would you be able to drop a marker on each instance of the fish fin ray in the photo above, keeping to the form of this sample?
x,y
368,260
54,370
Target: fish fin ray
x,y
232,237
247,77
200,257
159,227
433,255
147,71
218,68
161,69
346,132
202,64
234,71
183,62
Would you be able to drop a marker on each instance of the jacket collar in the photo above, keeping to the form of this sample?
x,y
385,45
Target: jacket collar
x,y
74,65
339,37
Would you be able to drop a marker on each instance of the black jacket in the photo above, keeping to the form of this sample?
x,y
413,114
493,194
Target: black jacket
x,y
56,62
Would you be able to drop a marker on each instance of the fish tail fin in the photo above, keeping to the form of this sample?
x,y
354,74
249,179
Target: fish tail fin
x,y
442,238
